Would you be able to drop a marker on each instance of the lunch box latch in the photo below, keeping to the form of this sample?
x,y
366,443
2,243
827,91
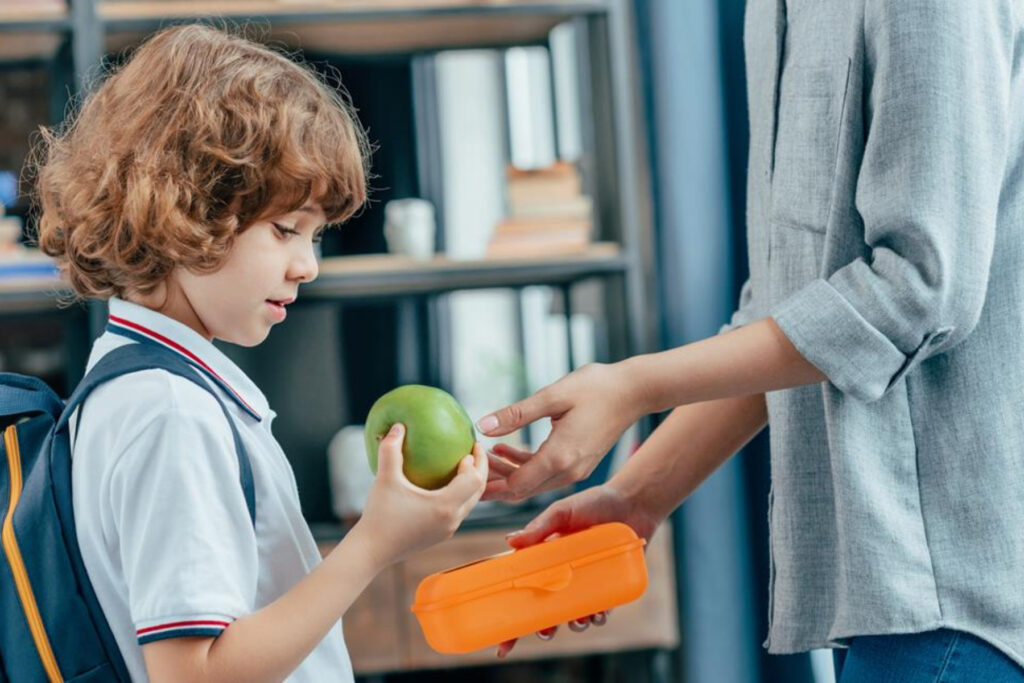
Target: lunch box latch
x,y
554,579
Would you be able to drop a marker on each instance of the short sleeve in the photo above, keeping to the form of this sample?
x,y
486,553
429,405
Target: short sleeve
x,y
186,542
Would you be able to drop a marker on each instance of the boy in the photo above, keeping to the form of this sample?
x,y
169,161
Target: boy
x,y
189,192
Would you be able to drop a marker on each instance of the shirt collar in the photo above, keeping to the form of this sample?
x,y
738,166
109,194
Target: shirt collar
x,y
138,321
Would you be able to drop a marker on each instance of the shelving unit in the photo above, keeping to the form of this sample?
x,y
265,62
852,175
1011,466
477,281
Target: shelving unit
x,y
613,133
344,278
613,163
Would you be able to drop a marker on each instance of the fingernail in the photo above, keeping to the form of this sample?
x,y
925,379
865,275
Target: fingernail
x,y
513,534
578,625
395,430
486,424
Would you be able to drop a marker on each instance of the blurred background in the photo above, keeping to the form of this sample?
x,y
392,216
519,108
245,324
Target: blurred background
x,y
556,183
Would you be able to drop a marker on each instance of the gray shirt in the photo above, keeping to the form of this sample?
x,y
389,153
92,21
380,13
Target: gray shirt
x,y
886,233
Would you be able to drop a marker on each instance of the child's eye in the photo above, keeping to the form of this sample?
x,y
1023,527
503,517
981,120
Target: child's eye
x,y
285,231
318,237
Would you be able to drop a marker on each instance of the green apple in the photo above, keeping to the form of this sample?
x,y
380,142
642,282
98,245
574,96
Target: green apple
x,y
439,433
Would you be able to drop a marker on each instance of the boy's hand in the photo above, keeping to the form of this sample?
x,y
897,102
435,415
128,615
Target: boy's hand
x,y
596,505
400,518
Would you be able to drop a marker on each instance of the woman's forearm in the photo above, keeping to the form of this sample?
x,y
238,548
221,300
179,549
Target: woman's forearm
x,y
688,446
752,359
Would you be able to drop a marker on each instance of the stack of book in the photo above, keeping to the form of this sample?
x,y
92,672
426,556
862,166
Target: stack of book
x,y
548,214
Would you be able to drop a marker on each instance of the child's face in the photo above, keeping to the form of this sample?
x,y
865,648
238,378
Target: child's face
x,y
247,295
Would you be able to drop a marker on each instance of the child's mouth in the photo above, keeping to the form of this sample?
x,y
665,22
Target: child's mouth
x,y
278,308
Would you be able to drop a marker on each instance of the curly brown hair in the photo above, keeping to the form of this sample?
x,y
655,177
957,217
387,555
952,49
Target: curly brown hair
x,y
199,135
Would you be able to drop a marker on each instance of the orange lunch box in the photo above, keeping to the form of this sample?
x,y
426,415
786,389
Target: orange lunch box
x,y
495,599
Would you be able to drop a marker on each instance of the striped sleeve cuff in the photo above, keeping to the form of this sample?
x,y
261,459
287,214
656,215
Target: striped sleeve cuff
x,y
211,625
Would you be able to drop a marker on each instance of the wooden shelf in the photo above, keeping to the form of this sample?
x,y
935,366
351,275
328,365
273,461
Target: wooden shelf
x,y
359,26
27,17
383,635
113,11
385,276
358,277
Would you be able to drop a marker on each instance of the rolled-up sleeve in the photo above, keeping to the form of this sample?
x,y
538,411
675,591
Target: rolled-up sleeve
x,y
928,188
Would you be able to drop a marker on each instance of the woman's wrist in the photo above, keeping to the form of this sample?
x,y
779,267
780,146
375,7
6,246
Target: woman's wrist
x,y
642,391
636,494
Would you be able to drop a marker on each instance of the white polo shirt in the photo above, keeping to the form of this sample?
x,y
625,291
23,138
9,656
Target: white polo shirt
x,y
161,519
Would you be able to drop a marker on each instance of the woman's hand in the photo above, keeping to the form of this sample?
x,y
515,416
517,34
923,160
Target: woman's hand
x,y
589,410
400,518
597,505
577,625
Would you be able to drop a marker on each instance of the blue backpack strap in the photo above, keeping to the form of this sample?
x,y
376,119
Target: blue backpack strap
x,y
21,395
136,357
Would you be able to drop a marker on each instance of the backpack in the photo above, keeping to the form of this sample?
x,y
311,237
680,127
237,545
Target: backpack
x,y
51,625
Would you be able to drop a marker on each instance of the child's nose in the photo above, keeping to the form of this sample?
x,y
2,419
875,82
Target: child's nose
x,y
305,267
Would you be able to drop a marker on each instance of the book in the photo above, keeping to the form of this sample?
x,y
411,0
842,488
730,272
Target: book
x,y
514,249
558,207
560,181
540,227
547,213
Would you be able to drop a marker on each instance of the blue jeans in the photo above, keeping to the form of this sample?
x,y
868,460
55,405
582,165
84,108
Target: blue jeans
x,y
942,656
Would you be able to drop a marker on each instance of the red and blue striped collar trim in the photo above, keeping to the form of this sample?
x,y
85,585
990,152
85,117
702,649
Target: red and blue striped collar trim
x,y
140,333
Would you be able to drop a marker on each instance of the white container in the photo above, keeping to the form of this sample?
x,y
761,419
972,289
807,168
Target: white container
x,y
351,478
410,228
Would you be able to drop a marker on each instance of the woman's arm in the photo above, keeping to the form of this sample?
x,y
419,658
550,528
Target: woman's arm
x,y
686,449
591,408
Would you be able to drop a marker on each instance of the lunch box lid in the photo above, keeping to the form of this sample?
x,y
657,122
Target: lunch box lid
x,y
547,566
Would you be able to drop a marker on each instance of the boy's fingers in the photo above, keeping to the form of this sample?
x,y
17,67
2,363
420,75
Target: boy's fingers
x,y
468,482
389,453
480,461
481,469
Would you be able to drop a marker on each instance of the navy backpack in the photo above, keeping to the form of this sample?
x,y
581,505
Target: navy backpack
x,y
51,625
